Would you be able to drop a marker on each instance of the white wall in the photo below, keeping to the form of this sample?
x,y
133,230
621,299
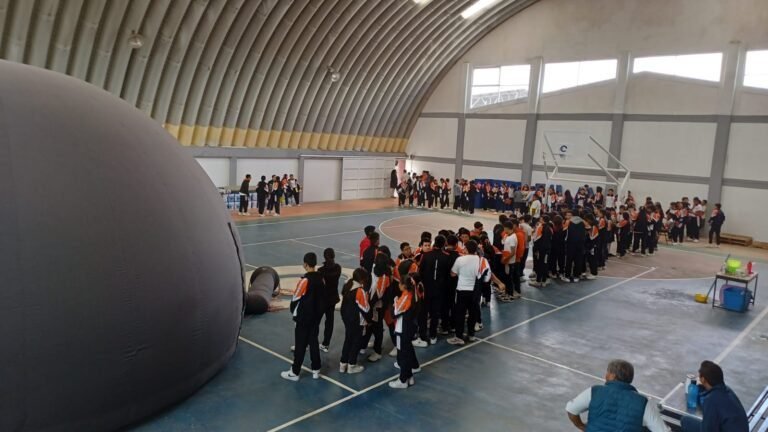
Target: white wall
x,y
652,94
599,130
473,172
217,169
594,98
322,180
494,140
743,209
266,167
437,170
665,192
667,147
434,137
747,152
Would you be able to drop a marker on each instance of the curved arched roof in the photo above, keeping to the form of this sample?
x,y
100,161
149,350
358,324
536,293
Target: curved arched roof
x,y
255,72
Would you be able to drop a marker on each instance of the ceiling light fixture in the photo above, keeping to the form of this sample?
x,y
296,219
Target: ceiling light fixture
x,y
477,7
421,2
334,74
135,40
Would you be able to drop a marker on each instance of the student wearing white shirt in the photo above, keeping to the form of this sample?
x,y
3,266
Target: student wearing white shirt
x,y
469,269
697,215
610,200
616,405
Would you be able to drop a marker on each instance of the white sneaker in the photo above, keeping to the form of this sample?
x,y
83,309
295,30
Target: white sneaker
x,y
353,369
323,348
374,357
432,341
315,374
261,215
393,353
239,213
455,341
516,295
276,214
472,339
411,381
695,240
293,348
420,343
564,279
478,327
362,352
590,277
534,284
343,367
417,370
397,384
289,375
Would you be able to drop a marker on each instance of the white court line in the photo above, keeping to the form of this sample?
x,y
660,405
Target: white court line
x,y
321,218
325,247
618,261
250,265
567,305
301,238
538,301
727,349
333,404
562,366
446,355
287,360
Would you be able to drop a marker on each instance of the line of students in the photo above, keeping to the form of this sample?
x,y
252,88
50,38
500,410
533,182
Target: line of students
x,y
270,194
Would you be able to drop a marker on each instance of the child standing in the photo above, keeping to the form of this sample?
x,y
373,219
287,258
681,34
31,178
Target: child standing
x,y
331,273
404,312
305,308
355,313
716,222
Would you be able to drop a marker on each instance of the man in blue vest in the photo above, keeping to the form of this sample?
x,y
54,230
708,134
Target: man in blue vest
x,y
723,411
615,406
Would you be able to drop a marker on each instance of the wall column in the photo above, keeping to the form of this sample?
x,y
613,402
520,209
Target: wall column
x,y
458,167
532,118
733,70
619,105
300,173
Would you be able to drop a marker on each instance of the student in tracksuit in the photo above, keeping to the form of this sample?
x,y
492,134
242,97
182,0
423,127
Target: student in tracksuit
x,y
434,272
445,193
456,195
449,288
624,234
262,193
542,243
331,273
575,239
380,282
716,222
306,309
557,252
244,193
355,313
369,255
404,311
640,232
593,235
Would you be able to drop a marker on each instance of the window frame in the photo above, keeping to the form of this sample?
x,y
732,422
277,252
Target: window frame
x,y
679,78
469,85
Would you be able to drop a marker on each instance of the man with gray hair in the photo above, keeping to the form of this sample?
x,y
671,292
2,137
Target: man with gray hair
x,y
615,406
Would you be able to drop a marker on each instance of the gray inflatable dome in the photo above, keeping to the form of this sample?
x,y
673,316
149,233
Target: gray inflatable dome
x,y
121,286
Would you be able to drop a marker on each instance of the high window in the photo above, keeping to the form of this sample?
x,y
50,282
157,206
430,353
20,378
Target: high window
x,y
704,67
558,76
495,85
756,69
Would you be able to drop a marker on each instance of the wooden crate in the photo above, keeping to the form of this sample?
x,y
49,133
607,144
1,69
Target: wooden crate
x,y
736,239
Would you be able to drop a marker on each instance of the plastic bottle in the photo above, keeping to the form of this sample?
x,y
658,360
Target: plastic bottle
x,y
692,401
749,268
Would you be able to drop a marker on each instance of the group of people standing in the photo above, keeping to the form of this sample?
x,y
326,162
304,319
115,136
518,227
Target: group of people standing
x,y
270,195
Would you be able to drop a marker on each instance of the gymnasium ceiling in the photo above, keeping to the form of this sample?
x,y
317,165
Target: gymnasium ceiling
x,y
255,73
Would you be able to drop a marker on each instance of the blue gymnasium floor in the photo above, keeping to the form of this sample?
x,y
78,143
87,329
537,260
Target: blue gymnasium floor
x,y
535,354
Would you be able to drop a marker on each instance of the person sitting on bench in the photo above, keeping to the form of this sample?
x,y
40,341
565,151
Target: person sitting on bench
x,y
615,406
723,411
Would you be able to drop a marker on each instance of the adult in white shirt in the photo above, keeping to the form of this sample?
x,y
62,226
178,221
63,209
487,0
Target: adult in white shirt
x,y
536,209
610,200
616,405
469,269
